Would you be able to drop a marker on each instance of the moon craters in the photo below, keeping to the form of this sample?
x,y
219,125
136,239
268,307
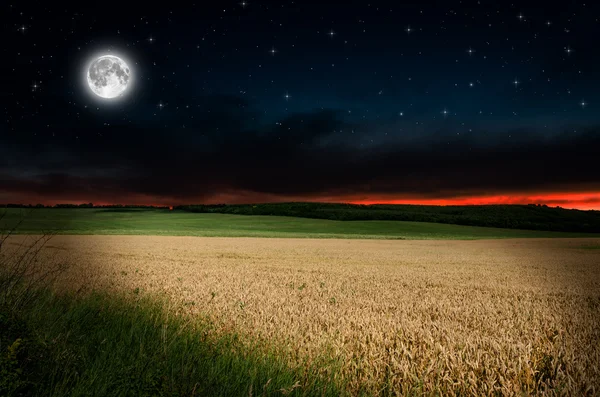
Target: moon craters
x,y
108,76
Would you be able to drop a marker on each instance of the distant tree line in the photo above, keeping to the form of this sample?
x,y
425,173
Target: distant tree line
x,y
529,217
84,205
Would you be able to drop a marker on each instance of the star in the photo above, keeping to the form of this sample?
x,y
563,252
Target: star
x,y
568,50
516,83
160,105
408,29
471,84
151,39
287,96
244,4
401,114
445,112
548,23
583,103
521,17
331,33
22,28
470,51
34,86
273,51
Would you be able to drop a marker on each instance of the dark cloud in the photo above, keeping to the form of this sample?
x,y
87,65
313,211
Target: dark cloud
x,y
228,149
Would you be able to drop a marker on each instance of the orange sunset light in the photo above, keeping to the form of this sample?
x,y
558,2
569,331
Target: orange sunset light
x,y
582,201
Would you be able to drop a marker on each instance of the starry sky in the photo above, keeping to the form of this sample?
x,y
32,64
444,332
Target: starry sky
x,y
454,102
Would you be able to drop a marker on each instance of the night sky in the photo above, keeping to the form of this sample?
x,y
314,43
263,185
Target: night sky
x,y
234,102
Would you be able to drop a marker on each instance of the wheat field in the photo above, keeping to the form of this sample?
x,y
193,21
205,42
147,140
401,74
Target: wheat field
x,y
487,317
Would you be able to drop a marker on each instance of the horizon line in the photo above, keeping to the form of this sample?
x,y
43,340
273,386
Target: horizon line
x,y
88,204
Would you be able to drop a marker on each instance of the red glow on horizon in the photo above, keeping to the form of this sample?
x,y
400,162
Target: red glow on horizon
x,y
582,201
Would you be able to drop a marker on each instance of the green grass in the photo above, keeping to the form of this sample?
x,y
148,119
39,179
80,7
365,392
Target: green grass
x,y
181,223
524,217
101,345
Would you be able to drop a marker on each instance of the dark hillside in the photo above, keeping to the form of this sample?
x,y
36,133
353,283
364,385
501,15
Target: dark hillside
x,y
531,217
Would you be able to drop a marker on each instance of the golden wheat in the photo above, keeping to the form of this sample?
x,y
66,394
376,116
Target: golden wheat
x,y
507,317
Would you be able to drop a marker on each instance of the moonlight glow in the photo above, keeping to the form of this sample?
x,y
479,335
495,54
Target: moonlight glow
x,y
108,76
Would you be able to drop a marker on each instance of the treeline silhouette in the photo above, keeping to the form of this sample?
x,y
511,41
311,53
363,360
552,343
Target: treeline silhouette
x,y
529,217
84,205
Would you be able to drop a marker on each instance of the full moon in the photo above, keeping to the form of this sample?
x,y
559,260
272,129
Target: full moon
x,y
108,76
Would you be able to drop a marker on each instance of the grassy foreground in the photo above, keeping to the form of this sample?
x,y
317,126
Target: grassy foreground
x,y
101,345
181,223
310,317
